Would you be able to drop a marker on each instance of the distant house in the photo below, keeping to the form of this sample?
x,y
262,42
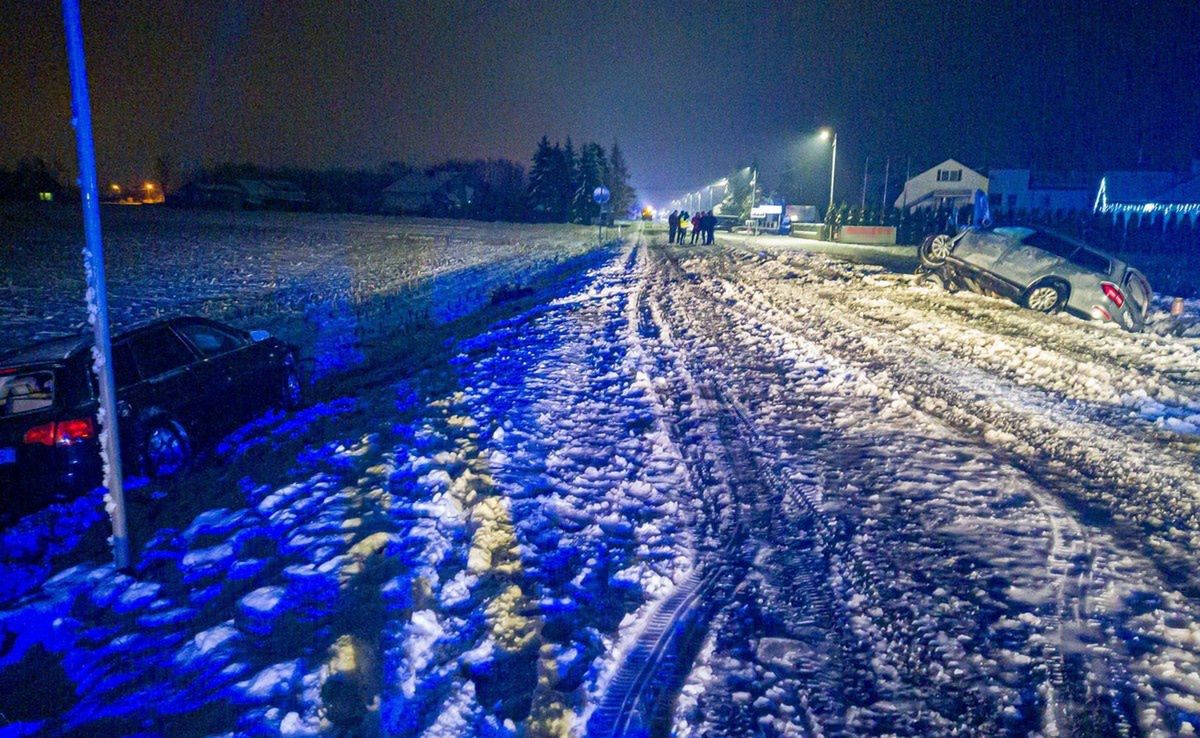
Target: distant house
x,y
1031,191
949,184
427,194
213,195
272,194
241,194
1149,196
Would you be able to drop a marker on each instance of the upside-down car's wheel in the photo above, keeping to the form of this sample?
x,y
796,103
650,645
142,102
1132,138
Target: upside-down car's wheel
x,y
934,250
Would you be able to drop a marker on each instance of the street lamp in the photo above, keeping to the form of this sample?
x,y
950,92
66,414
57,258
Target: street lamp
x,y
754,198
826,134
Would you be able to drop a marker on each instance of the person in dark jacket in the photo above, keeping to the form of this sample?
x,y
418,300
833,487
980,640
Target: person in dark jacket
x,y
672,226
710,228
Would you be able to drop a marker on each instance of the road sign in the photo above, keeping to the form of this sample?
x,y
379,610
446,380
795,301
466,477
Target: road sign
x,y
601,195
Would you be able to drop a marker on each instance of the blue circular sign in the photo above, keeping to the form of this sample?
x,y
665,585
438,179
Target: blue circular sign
x,y
601,195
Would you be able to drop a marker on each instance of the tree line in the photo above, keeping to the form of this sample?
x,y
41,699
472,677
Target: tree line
x,y
558,187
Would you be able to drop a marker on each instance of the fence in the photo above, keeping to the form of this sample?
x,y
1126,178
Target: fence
x,y
1159,247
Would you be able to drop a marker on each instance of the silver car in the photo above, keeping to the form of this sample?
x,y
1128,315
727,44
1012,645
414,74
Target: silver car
x,y
1041,270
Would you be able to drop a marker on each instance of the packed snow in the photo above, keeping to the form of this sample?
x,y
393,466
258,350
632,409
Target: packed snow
x,y
725,491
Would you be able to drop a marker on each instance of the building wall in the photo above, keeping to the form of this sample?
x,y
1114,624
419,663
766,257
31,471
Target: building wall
x,y
1010,191
954,179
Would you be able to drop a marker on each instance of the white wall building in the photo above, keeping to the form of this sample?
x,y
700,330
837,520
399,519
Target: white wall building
x,y
1030,191
950,183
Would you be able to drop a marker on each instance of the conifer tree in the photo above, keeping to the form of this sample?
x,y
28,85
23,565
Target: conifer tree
x,y
544,192
592,173
623,195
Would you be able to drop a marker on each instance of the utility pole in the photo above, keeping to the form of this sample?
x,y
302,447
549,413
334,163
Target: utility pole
x,y
887,170
97,293
754,198
862,205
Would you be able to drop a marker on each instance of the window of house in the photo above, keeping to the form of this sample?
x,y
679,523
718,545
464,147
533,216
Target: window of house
x,y
949,175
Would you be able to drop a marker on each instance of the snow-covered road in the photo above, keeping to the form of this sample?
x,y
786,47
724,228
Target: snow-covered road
x,y
978,517
724,491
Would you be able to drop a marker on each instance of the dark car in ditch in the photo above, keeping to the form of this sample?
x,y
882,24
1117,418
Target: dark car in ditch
x,y
180,383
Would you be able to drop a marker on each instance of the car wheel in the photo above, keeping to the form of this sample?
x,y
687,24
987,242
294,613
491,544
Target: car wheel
x,y
934,250
1045,297
291,390
165,449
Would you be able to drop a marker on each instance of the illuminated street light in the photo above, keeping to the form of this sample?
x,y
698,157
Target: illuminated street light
x,y
826,134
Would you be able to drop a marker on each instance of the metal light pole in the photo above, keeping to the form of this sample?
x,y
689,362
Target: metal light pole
x,y
93,265
867,163
826,133
754,198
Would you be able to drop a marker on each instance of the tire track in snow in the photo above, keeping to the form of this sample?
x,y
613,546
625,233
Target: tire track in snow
x,y
637,699
1050,437
1070,579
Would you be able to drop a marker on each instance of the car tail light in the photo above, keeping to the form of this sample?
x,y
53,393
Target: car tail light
x,y
40,435
62,433
74,431
1114,293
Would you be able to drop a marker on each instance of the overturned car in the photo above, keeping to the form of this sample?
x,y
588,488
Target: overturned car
x,y
1041,270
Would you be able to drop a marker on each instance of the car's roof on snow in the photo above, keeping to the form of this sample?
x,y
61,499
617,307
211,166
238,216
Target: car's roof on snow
x,y
45,352
58,349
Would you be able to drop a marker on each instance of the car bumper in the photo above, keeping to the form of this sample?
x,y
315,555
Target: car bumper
x,y
58,474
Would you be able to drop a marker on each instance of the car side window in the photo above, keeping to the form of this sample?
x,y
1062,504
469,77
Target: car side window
x,y
159,351
210,340
1046,242
124,370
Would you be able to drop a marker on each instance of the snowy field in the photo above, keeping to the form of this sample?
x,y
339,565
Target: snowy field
x,y
326,282
724,491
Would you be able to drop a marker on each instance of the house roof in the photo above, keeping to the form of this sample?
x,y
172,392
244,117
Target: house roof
x,y
1137,187
949,164
1184,193
1051,180
276,189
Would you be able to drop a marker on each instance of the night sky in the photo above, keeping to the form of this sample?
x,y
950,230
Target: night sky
x,y
691,90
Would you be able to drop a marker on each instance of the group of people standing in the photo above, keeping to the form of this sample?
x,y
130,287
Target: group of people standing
x,y
703,227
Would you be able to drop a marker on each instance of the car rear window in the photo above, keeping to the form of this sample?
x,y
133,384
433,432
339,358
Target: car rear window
x,y
1091,260
26,391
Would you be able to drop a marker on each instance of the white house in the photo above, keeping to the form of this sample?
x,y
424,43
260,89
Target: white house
x,y
950,183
